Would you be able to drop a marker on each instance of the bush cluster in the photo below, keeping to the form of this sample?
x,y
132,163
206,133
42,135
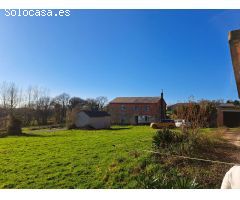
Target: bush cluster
x,y
166,138
182,143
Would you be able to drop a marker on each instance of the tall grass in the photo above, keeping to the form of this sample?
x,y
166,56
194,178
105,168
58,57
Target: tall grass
x,y
162,171
155,176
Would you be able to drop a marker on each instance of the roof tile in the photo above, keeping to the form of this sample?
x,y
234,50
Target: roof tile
x,y
136,100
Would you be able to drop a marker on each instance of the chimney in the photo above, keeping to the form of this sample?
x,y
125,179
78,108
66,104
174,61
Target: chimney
x,y
234,43
162,116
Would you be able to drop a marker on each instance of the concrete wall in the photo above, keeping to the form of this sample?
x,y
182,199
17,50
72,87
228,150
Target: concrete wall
x,y
82,120
100,122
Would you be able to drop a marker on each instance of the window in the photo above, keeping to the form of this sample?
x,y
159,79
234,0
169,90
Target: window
x,y
147,108
123,107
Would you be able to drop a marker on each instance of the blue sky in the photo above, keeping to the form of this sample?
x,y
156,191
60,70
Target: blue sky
x,y
122,53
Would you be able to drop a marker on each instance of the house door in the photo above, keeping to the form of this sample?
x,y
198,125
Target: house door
x,y
146,119
136,119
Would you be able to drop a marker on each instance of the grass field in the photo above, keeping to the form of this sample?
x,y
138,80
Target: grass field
x,y
73,158
100,159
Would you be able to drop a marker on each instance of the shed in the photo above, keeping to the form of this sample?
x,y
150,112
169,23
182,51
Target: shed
x,y
228,115
92,119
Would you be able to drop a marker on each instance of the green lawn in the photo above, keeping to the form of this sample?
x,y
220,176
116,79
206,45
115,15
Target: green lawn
x,y
74,158
105,159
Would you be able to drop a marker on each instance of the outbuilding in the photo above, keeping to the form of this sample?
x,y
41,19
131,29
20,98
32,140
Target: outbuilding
x,y
92,119
228,115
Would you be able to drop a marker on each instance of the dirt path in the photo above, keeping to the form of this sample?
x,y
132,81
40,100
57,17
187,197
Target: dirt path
x,y
231,150
233,137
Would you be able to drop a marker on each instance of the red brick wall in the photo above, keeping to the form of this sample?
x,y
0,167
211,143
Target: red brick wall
x,y
129,113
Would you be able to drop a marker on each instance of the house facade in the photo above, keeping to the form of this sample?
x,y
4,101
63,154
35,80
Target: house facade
x,y
137,110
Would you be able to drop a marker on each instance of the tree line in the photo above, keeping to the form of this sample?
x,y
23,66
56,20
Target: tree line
x,y
34,106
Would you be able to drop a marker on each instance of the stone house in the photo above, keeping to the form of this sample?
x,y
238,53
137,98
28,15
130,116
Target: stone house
x,y
137,110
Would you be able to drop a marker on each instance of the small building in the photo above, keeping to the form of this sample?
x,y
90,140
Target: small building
x,y
137,110
92,119
228,115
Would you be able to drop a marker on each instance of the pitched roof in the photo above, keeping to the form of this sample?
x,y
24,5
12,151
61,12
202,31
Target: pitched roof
x,y
96,113
136,100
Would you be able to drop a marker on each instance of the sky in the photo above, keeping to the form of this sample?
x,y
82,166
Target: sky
x,y
117,53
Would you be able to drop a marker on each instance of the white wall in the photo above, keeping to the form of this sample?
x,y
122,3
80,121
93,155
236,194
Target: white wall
x,y
83,120
100,122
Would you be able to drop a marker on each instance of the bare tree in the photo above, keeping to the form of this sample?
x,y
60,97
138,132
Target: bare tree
x,y
34,106
13,96
10,95
101,101
60,104
27,110
41,104
4,94
91,104
43,110
10,99
35,98
29,96
62,99
3,100
36,93
76,101
20,102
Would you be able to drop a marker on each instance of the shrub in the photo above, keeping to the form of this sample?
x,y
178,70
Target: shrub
x,y
180,142
167,139
14,126
71,118
3,133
